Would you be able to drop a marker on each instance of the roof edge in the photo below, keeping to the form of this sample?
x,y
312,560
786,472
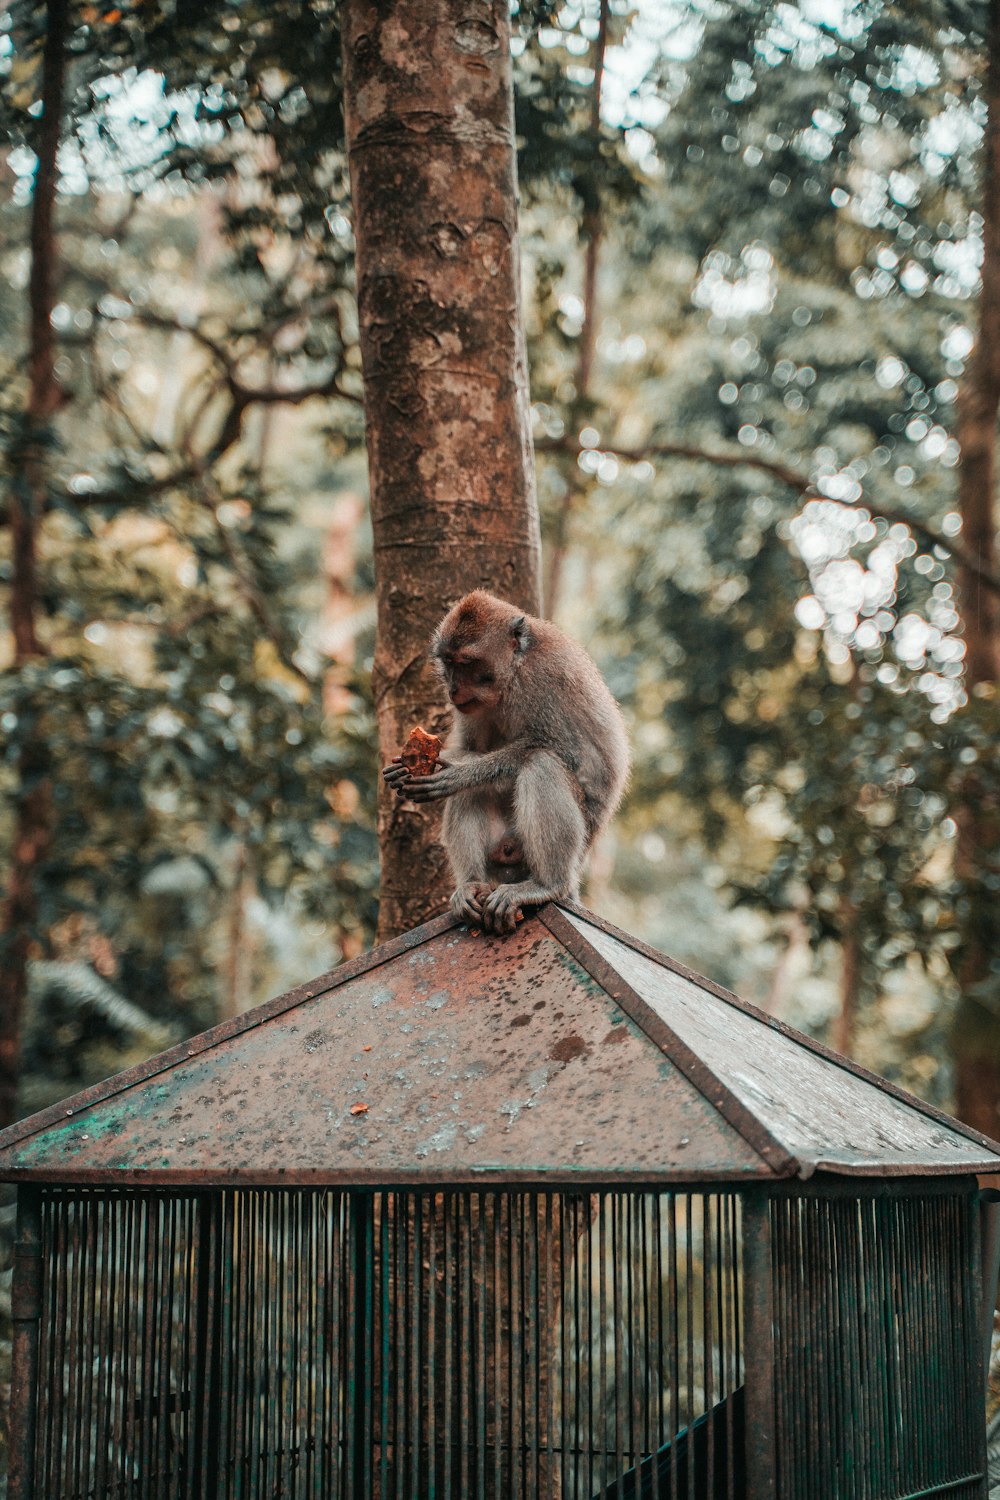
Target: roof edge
x,y
776,1157
939,1116
204,1041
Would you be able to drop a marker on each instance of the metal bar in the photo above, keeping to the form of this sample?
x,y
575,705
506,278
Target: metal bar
x,y
361,1225
26,1302
482,1342
602,1334
414,1279
618,1271
989,1260
448,1255
432,1346
759,1347
674,1343
565,1285
689,1282
947,1488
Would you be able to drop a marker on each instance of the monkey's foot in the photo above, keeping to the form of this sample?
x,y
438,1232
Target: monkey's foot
x,y
502,907
467,902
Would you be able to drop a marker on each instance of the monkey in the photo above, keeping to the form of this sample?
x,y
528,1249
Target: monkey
x,y
535,766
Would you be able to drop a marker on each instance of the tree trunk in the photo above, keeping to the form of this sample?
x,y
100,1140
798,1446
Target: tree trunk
x,y
592,231
33,807
850,981
976,1033
430,134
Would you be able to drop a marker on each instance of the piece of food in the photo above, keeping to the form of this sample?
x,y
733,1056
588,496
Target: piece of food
x,y
419,754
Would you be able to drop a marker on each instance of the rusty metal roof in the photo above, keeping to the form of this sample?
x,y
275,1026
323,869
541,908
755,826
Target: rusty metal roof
x,y
565,1054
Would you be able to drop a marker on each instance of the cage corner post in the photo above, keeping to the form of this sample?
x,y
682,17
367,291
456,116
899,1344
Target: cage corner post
x,y
26,1295
759,1347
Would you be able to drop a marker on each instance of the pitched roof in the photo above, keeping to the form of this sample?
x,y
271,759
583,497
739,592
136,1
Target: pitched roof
x,y
566,1054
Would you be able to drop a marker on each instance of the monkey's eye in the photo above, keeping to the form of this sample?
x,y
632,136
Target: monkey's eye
x,y
484,679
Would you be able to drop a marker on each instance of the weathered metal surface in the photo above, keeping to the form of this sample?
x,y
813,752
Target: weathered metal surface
x,y
460,1058
823,1114
562,1054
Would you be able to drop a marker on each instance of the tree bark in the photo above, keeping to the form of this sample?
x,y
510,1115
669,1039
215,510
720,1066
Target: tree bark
x,y
592,231
850,981
28,494
430,135
976,1031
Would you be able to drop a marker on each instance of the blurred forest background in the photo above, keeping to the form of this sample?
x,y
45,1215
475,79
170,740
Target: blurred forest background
x,y
753,241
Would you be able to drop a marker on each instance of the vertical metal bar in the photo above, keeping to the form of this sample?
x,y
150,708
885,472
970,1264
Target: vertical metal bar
x,y
738,1312
565,1287
645,1343
674,1344
450,1399
132,1208
689,1278
106,1344
385,1326
759,1347
252,1353
416,1339
361,1226
659,1376
45,1355
205,1395
482,1341
833,1337
467,1378
334,1467
732,1359
602,1334
889,1279
708,1332
534,1289
26,1302
433,1298
550,1353
618,1273
159,1335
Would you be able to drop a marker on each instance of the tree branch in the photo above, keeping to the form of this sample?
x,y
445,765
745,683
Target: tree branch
x,y
795,479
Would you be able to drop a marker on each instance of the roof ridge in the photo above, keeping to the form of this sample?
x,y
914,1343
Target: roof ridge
x,y
204,1041
718,1094
885,1085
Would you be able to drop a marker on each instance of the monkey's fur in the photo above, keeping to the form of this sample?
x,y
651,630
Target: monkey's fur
x,y
535,766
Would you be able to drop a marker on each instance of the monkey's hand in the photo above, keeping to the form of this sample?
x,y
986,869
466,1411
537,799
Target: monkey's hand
x,y
398,778
467,902
502,910
444,782
395,774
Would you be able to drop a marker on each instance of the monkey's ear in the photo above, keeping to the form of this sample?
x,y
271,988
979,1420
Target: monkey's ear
x,y
520,634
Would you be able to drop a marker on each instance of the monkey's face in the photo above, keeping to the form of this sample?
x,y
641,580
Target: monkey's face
x,y
471,683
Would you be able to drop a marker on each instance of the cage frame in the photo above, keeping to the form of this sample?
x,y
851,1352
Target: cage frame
x,y
783,1172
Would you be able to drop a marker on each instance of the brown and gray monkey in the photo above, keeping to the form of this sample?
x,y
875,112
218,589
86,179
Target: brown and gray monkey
x,y
535,766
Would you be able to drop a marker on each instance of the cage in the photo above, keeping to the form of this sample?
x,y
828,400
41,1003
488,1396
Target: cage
x,y
540,1216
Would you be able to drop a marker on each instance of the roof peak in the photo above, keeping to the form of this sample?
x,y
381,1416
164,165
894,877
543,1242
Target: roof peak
x,y
567,1051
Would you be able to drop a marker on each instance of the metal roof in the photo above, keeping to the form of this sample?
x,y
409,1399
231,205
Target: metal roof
x,y
565,1054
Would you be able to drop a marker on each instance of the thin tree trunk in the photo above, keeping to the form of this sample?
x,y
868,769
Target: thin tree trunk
x,y
850,980
430,134
976,1033
592,230
33,810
